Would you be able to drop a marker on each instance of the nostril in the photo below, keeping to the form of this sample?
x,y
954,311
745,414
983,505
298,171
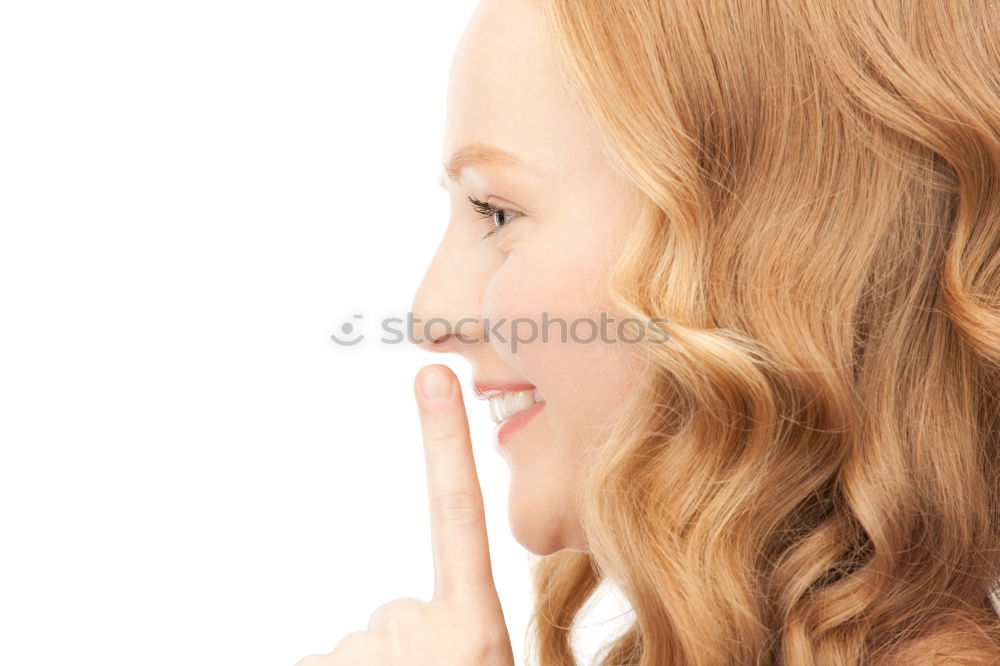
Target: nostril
x,y
449,337
443,333
448,342
442,339
439,332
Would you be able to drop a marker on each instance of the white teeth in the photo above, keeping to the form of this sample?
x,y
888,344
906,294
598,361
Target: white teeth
x,y
506,404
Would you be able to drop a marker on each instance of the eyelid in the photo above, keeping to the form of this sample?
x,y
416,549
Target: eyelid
x,y
487,209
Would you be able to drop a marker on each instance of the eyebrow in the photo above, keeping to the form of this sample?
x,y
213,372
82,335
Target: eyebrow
x,y
478,152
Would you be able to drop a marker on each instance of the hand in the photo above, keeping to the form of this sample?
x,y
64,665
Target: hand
x,y
463,625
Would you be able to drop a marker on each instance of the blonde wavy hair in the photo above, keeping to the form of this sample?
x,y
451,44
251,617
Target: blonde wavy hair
x,y
811,475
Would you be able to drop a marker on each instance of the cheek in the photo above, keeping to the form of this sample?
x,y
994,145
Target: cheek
x,y
582,372
533,298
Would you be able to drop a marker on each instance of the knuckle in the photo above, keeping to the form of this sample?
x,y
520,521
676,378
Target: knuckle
x,y
352,644
398,615
461,507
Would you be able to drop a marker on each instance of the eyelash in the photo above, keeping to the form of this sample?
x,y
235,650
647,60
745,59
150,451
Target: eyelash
x,y
489,211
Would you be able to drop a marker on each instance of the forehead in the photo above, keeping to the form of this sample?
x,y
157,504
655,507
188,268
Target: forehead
x,y
506,89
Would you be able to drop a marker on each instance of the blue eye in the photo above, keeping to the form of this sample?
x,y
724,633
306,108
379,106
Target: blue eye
x,y
498,217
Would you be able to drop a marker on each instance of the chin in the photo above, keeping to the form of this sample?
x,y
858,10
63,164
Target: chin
x,y
537,523
534,540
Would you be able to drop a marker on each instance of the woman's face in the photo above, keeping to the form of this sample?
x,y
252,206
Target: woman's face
x,y
569,211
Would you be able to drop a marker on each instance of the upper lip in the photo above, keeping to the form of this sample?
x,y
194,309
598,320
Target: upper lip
x,y
486,389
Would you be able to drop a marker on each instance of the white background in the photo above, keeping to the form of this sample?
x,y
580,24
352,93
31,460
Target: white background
x,y
193,197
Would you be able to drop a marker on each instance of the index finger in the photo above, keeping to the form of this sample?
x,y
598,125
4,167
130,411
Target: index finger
x,y
458,524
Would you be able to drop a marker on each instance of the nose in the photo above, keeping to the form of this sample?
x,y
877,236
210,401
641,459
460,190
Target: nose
x,y
447,305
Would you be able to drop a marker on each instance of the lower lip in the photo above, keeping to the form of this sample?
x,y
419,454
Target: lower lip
x,y
509,427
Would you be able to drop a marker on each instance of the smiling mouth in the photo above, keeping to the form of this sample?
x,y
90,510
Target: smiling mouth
x,y
512,405
513,424
505,404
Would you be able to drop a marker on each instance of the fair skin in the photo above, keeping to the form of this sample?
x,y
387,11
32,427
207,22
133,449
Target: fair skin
x,y
570,210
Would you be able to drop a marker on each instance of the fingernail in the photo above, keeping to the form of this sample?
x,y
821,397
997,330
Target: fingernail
x,y
436,385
